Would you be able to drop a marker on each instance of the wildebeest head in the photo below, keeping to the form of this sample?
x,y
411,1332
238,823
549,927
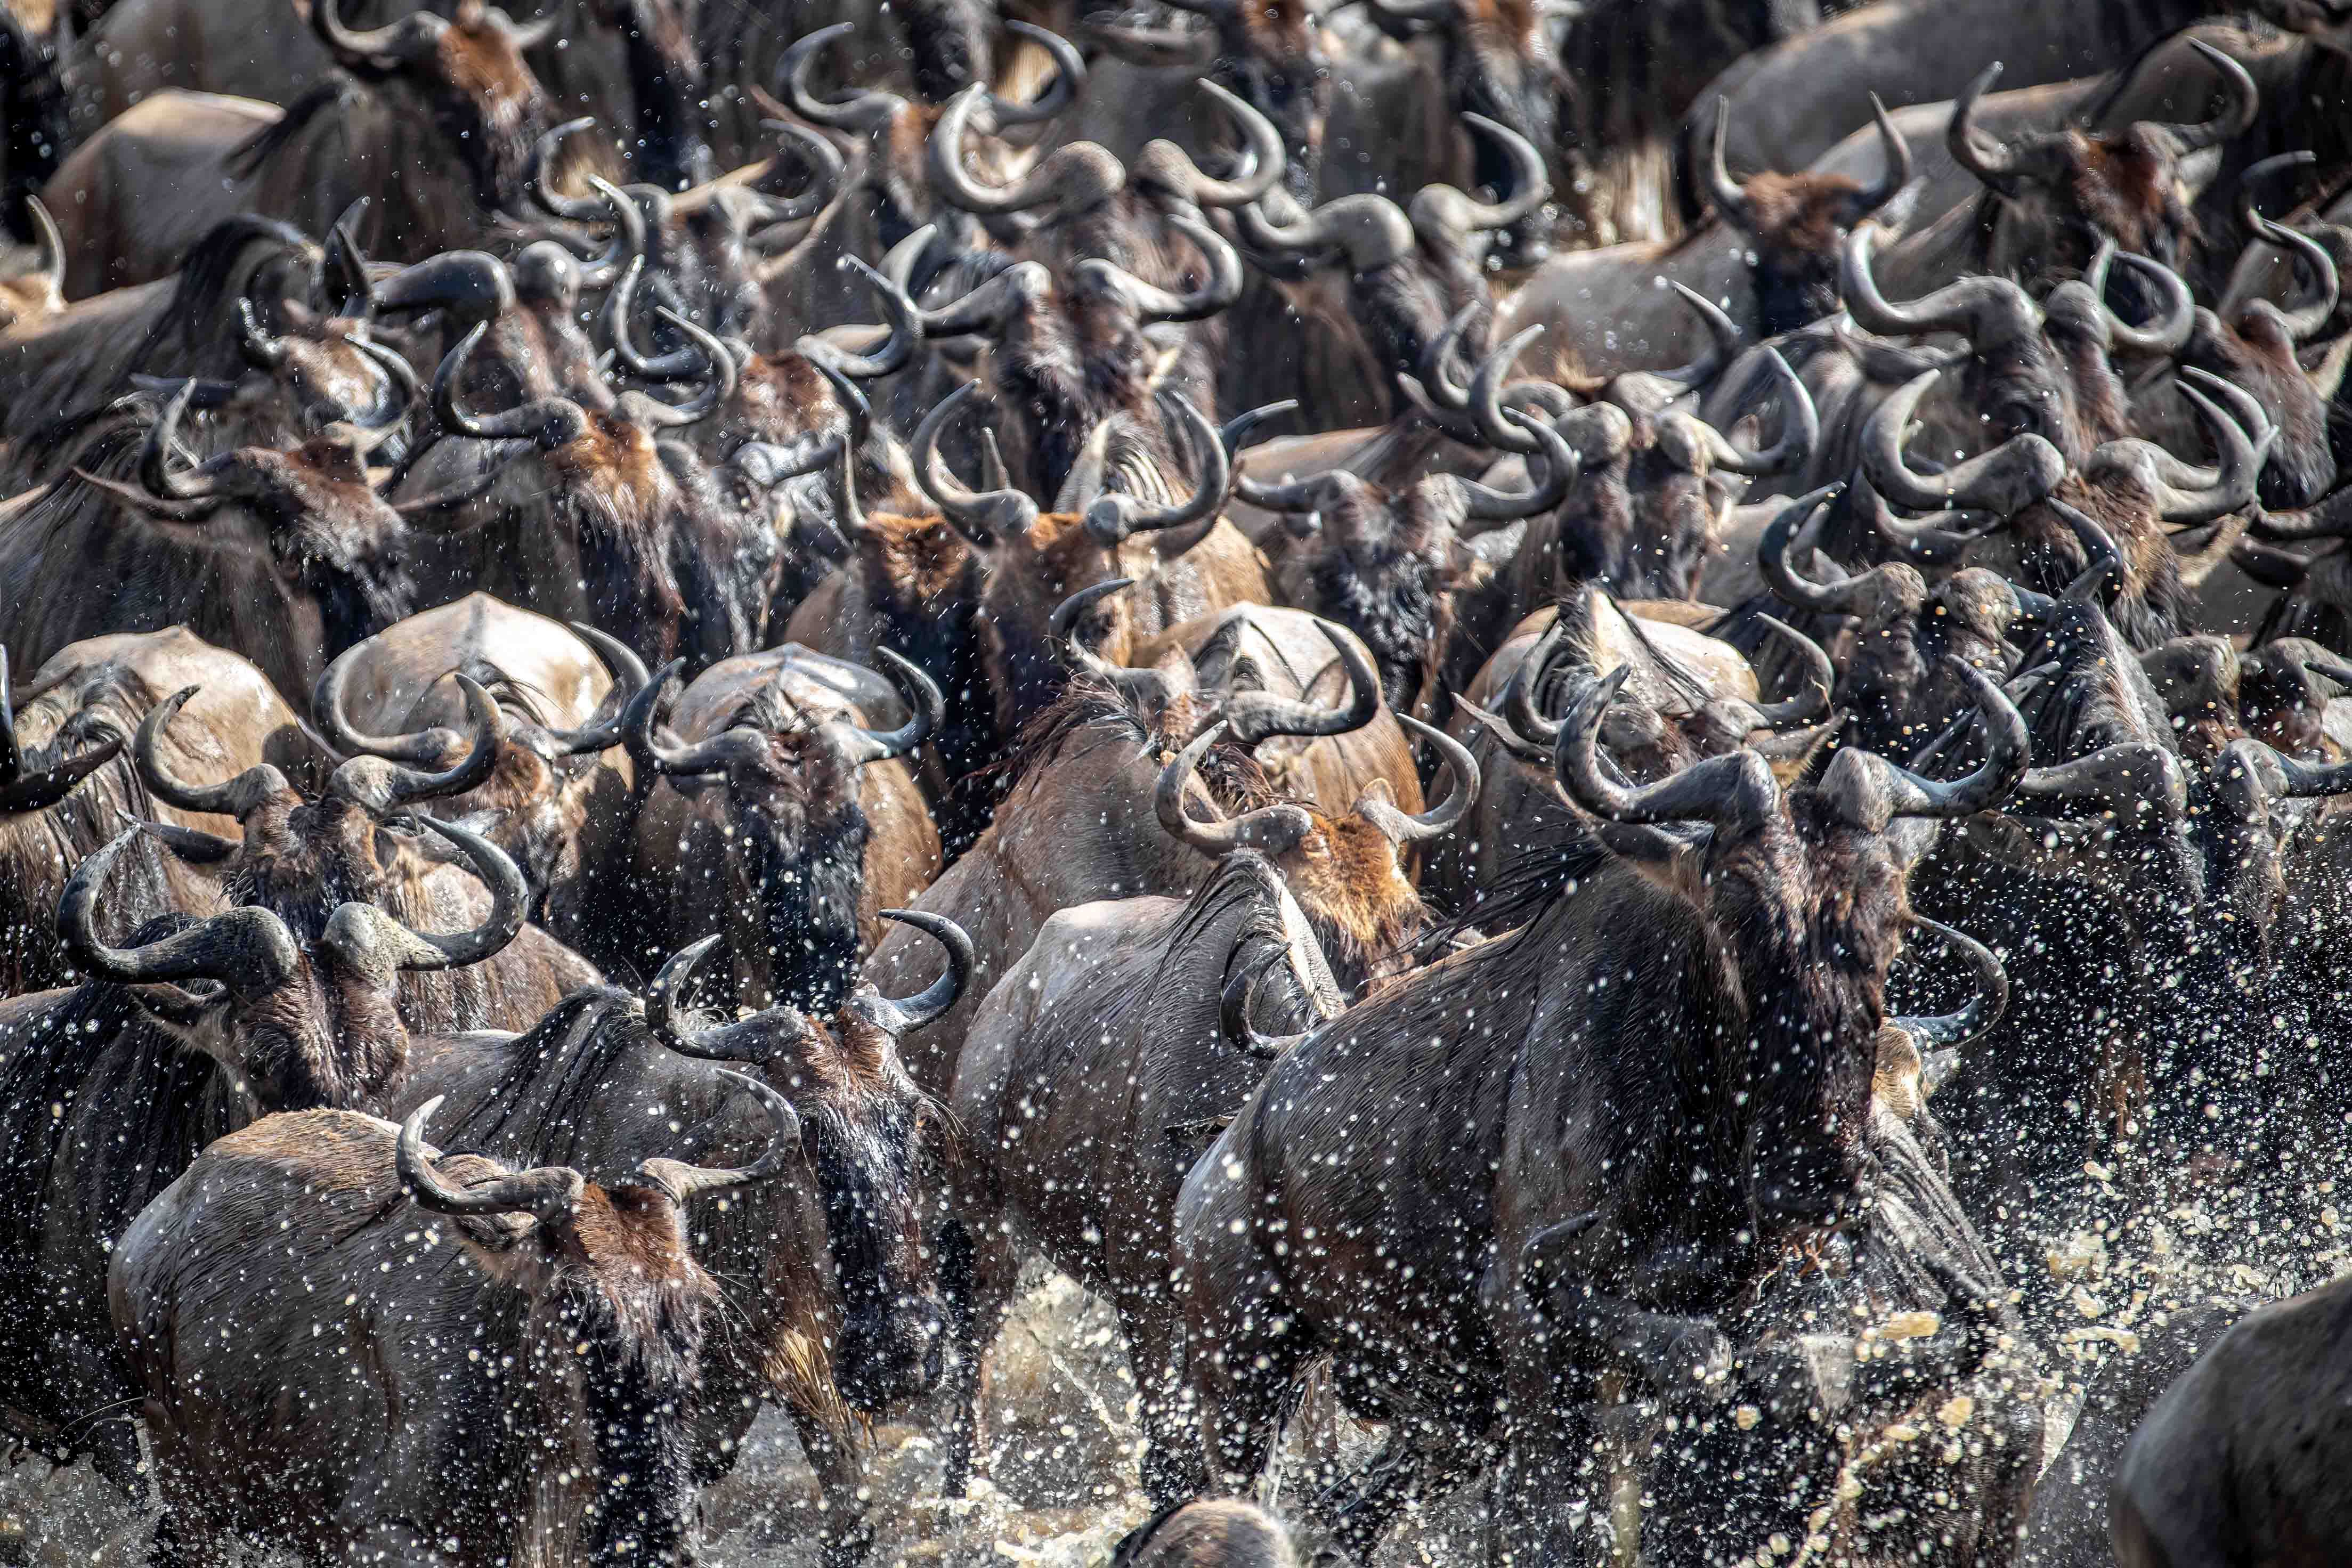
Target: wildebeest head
x,y
1383,563
709,250
75,752
464,75
532,798
1499,63
665,560
2061,194
868,1124
1806,886
1269,54
899,133
301,1022
787,810
29,296
2030,369
1797,224
1032,560
312,513
2260,350
612,1280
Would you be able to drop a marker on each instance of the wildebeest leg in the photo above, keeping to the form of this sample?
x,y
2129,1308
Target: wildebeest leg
x,y
978,1274
846,1534
1172,1468
1242,1367
1420,1459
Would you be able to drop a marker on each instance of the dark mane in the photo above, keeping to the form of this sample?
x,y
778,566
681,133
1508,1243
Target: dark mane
x,y
199,299
258,149
1088,704
549,1071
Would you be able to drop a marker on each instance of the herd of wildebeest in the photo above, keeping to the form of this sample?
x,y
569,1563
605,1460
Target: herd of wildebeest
x,y
1603,735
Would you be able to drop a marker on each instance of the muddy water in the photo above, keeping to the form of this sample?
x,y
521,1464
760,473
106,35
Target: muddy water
x,y
1061,1479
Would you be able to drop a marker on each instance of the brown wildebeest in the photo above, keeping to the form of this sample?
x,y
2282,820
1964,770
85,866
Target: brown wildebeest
x,y
189,1031
521,1331
1092,813
1094,1073
831,1283
1214,1532
557,798
285,556
64,731
1391,1140
786,774
433,117
302,858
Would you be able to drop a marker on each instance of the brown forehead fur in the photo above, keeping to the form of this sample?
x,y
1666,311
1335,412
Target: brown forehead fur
x,y
1278,29
477,59
2123,185
923,560
1507,23
633,1234
1346,871
1802,213
781,396
616,460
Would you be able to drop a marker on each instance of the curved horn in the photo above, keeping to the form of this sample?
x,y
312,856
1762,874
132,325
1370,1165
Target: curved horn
x,y
629,677
1981,1011
2240,467
1561,468
381,785
906,331
1800,430
1461,214
718,368
2008,750
1252,717
577,209
1068,172
1731,790
1060,630
1729,197
928,713
1263,159
509,902
2019,471
471,285
1370,230
1820,677
906,1015
684,1182
870,110
1069,77
335,724
1971,306
2169,332
21,791
1870,198
548,1194
1983,156
1269,829
1152,303
1402,828
549,422
761,211
1112,518
403,41
2115,775
1772,561
2305,321
980,518
2242,103
1234,1010
247,948
232,798
49,244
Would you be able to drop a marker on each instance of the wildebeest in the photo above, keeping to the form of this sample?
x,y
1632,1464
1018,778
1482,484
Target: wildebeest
x,y
830,1281
2233,1464
532,1344
789,816
1213,1532
1388,1141
433,117
191,1030
64,731
1092,1076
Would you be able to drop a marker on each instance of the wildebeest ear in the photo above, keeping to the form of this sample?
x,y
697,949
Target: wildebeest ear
x,y
1668,861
